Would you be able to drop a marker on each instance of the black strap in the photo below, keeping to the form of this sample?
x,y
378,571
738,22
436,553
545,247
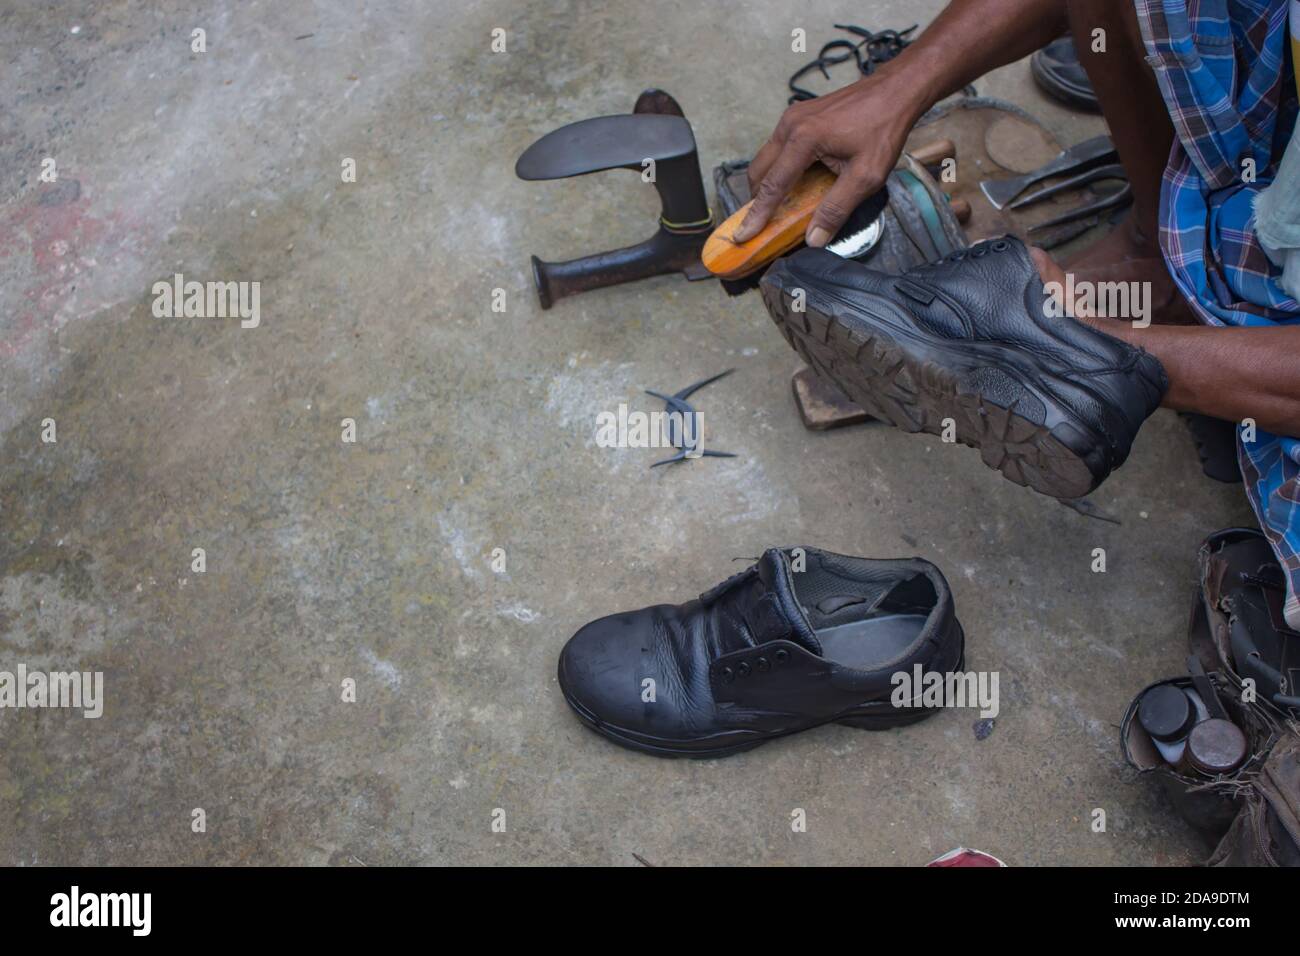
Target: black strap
x,y
715,592
765,620
869,52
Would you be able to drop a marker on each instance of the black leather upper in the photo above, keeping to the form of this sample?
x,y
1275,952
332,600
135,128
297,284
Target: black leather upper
x,y
743,660
991,294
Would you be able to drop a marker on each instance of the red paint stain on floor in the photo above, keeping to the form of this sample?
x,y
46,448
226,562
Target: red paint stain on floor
x,y
63,244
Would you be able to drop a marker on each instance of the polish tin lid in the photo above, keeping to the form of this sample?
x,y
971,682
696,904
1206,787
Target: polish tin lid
x,y
1166,713
1216,747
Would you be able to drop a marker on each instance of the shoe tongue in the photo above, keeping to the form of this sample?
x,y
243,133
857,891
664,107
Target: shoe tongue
x,y
774,571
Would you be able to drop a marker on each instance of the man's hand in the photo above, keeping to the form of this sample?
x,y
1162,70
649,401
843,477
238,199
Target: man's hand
x,y
857,132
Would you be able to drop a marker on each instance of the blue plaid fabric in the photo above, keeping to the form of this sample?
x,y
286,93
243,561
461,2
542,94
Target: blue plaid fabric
x,y
1225,72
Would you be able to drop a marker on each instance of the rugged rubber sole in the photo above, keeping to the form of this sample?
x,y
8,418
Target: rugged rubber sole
x,y
923,386
881,715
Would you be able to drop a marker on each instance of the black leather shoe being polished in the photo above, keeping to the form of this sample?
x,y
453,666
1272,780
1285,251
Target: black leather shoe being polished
x,y
1050,402
771,651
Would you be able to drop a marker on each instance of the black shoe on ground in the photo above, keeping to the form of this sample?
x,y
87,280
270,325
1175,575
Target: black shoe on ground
x,y
1216,444
1057,71
770,651
1050,402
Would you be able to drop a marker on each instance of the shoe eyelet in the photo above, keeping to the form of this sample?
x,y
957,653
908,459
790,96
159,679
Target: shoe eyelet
x,y
980,252
763,664
728,675
1001,246
742,669
782,655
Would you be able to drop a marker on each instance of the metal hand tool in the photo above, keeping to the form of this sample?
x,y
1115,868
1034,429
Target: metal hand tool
x,y
1109,171
1091,152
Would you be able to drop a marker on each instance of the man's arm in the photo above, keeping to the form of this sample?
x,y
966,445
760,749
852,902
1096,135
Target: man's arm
x,y
1233,372
859,131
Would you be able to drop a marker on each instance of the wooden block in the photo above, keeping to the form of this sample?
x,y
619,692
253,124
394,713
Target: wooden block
x,y
822,405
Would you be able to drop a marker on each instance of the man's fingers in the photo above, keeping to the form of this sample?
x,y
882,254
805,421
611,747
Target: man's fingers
x,y
1047,268
788,167
762,162
853,186
1056,282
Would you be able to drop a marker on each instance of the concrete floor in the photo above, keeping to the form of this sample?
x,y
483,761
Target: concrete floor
x,y
373,561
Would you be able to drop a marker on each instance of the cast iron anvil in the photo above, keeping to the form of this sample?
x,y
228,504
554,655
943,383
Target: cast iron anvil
x,y
655,132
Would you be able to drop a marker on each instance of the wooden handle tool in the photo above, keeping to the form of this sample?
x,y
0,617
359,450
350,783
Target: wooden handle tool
x,y
931,154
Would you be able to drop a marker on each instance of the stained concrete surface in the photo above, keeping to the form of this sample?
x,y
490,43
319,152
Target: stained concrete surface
x,y
372,560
